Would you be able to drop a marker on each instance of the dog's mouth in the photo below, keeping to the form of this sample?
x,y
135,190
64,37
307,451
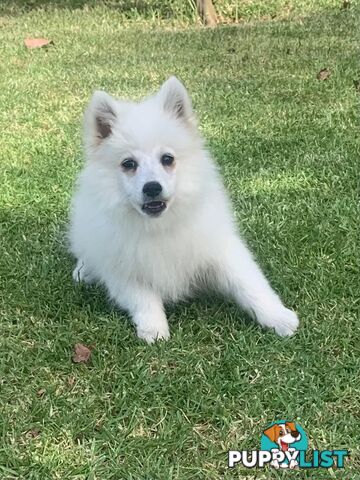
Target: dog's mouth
x,y
154,208
284,445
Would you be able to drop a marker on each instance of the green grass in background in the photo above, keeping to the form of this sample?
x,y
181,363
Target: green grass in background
x,y
182,10
287,146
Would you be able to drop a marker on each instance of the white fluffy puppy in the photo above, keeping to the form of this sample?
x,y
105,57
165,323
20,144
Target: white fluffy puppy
x,y
151,219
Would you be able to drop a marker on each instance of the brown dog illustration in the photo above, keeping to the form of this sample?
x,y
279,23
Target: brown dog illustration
x,y
283,434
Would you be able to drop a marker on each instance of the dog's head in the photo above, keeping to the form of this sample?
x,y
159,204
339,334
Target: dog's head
x,y
144,153
283,434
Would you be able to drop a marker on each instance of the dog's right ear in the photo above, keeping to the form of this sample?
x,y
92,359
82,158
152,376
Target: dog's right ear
x,y
99,119
272,432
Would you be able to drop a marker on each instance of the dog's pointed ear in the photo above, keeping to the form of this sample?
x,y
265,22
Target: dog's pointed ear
x,y
99,119
176,100
272,432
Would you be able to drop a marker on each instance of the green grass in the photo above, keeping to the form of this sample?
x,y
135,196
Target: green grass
x,y
183,10
287,146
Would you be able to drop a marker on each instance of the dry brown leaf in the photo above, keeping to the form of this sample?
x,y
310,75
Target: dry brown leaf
x,y
37,42
324,74
82,353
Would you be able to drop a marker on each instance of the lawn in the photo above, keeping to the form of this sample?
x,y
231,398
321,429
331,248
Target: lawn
x,y
287,145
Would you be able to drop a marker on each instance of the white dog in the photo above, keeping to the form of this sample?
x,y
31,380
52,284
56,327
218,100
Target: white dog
x,y
151,219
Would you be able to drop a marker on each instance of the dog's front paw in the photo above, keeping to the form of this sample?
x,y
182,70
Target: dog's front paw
x,y
152,334
287,323
284,321
78,272
81,273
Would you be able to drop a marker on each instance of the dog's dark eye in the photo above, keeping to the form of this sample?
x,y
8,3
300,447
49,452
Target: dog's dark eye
x,y
167,159
129,164
281,433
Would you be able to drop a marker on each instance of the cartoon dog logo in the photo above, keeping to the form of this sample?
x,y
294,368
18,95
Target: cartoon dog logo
x,y
283,434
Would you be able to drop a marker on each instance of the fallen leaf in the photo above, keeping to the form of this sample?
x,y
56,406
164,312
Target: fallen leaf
x,y
37,42
357,85
82,353
324,74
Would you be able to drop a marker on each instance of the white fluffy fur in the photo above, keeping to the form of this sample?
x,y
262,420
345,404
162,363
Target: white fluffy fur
x,y
145,261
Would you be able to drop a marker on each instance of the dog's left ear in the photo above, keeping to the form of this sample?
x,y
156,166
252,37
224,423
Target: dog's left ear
x,y
175,100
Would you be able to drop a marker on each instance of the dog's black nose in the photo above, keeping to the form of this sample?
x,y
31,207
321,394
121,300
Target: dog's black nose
x,y
152,189
295,433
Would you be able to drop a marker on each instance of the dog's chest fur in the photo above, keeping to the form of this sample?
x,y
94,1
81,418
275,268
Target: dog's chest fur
x,y
170,262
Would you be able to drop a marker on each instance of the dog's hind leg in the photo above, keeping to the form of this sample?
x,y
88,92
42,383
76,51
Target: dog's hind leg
x,y
238,275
